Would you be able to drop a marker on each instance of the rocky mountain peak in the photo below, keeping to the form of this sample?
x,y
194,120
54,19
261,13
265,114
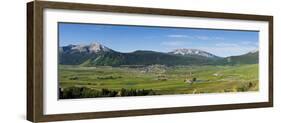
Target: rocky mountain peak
x,y
254,51
94,47
97,47
185,51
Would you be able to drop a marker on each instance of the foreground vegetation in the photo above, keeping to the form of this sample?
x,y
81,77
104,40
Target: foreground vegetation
x,y
105,81
84,92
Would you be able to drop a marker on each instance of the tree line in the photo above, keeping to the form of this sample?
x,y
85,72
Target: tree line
x,y
84,92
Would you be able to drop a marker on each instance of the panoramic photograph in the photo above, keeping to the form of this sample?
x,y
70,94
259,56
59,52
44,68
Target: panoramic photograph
x,y
102,60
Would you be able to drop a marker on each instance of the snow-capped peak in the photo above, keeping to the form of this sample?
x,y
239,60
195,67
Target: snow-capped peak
x,y
254,51
184,51
94,47
97,47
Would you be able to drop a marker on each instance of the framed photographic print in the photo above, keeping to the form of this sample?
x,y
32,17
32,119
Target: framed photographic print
x,y
90,61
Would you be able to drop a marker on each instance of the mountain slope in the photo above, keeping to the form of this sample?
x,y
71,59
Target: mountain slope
x,y
96,54
78,54
193,52
145,58
248,58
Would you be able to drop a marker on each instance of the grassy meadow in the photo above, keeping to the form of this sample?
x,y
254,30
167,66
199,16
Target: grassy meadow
x,y
156,80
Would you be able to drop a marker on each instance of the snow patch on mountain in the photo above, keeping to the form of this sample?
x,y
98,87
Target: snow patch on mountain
x,y
97,47
94,47
184,51
254,51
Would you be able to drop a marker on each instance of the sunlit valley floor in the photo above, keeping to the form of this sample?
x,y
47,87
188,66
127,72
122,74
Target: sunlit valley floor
x,y
107,81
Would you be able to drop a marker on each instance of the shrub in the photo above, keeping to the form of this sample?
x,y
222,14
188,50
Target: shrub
x,y
83,92
109,77
194,79
73,78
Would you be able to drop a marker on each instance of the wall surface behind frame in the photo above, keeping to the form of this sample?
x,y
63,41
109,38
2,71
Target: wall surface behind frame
x,y
13,61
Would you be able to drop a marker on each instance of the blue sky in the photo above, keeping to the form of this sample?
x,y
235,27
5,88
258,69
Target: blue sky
x,y
130,38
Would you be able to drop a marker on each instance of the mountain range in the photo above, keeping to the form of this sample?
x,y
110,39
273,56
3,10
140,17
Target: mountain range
x,y
96,54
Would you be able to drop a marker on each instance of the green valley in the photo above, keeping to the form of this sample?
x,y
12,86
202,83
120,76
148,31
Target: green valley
x,y
157,79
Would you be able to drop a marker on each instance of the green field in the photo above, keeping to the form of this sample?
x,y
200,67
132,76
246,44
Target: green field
x,y
162,79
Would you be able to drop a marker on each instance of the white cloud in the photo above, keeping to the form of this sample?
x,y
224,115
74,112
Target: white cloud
x,y
198,37
203,37
178,36
174,43
222,48
229,49
218,38
246,42
226,45
255,43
